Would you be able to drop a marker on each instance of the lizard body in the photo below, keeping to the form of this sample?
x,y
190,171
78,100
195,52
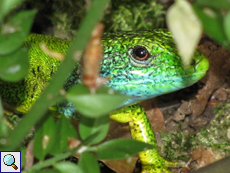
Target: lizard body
x,y
141,64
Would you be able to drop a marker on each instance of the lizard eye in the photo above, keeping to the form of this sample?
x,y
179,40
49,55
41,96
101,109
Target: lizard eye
x,y
140,53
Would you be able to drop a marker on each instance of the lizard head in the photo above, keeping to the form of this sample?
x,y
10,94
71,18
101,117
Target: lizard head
x,y
146,64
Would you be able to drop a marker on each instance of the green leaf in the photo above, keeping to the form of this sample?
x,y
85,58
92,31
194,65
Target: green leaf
x,y
66,67
47,171
227,25
90,126
95,105
119,149
4,124
44,138
14,66
1,110
4,129
220,4
185,27
212,23
88,163
23,155
68,167
6,6
63,131
14,33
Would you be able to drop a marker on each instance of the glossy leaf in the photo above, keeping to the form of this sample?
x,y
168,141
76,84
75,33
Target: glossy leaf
x,y
227,25
90,126
14,33
88,163
78,44
23,159
4,129
6,6
67,167
95,105
119,149
212,23
220,4
185,27
4,126
1,109
63,131
44,138
47,171
14,66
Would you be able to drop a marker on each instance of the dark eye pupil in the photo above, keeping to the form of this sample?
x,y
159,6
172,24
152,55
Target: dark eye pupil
x,y
140,52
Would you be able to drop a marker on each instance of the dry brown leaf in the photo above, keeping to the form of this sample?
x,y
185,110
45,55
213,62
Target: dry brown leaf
x,y
202,156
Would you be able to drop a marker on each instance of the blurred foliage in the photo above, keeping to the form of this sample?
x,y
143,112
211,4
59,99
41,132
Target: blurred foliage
x,y
52,137
59,18
58,138
93,105
133,15
215,19
186,29
62,18
14,64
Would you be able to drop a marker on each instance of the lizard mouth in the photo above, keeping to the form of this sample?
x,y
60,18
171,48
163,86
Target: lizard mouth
x,y
143,85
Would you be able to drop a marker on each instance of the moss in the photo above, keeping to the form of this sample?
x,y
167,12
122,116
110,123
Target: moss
x,y
62,18
131,15
216,136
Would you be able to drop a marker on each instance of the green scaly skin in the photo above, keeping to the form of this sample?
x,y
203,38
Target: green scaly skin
x,y
141,130
20,96
162,72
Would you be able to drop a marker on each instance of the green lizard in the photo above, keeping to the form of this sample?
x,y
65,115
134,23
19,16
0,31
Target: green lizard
x,y
141,64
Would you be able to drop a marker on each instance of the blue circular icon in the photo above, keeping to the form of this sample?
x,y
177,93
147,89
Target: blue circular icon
x,y
8,159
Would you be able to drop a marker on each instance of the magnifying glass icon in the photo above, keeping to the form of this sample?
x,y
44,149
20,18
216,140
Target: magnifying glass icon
x,y
9,160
